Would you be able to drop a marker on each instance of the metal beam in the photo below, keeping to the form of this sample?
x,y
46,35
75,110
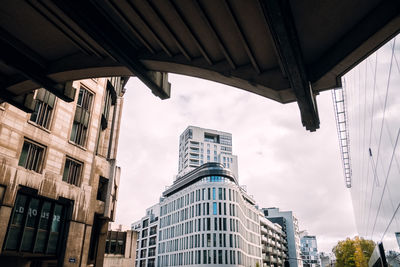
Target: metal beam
x,y
99,25
284,34
171,33
241,36
149,29
132,28
29,64
196,41
214,33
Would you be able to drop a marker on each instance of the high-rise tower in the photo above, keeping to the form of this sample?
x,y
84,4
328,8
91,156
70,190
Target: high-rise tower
x,y
198,146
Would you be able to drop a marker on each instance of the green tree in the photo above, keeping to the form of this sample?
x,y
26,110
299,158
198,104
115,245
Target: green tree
x,y
353,252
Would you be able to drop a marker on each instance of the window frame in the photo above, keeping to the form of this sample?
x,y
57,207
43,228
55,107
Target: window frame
x,y
41,157
79,130
78,179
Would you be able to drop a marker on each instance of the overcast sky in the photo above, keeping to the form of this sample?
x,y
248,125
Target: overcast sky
x,y
281,163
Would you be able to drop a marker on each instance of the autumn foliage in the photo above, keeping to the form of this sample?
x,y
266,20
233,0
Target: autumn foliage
x,y
353,252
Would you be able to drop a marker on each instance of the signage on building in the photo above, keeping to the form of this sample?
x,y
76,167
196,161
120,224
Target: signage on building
x,y
35,225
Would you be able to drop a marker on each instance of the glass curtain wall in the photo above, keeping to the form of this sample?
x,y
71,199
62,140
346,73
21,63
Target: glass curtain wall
x,y
372,91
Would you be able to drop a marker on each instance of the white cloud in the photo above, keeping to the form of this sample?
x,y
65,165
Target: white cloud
x,y
281,163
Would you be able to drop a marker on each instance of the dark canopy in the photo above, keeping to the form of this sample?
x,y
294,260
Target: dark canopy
x,y
284,50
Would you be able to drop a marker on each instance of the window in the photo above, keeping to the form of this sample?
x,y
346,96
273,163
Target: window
x,y
153,230
32,156
115,242
72,171
144,233
152,241
109,99
2,193
43,108
81,118
102,190
35,225
214,208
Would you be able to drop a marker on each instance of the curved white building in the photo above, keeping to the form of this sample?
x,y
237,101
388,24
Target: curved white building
x,y
207,219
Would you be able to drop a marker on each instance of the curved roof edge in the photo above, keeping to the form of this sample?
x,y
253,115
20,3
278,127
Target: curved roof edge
x,y
207,169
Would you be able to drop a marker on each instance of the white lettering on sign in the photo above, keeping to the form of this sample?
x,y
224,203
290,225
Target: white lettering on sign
x,y
34,212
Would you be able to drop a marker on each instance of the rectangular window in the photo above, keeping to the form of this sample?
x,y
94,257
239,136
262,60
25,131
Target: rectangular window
x,y
43,108
102,190
81,118
110,98
32,156
214,208
72,171
115,242
213,193
35,225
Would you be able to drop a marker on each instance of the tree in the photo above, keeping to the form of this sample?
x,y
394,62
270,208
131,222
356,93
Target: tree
x,y
353,252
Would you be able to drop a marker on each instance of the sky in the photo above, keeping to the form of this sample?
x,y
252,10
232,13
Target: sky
x,y
281,163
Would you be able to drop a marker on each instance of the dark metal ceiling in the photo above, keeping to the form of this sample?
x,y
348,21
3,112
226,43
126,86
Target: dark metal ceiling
x,y
284,50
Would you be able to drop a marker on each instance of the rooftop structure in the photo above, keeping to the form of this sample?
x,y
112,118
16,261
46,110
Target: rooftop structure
x,y
198,146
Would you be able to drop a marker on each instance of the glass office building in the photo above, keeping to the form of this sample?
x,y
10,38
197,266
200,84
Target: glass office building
x,y
372,97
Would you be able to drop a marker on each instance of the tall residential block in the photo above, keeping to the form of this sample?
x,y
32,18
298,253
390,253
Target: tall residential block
x,y
288,221
273,242
205,218
58,176
309,250
147,230
199,145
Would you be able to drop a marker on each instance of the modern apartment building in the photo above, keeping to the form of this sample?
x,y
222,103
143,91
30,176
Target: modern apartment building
x,y
309,250
147,230
206,218
288,221
273,243
58,175
368,119
198,146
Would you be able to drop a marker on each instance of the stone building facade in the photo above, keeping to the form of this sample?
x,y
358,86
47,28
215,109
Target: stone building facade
x,y
120,249
58,176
